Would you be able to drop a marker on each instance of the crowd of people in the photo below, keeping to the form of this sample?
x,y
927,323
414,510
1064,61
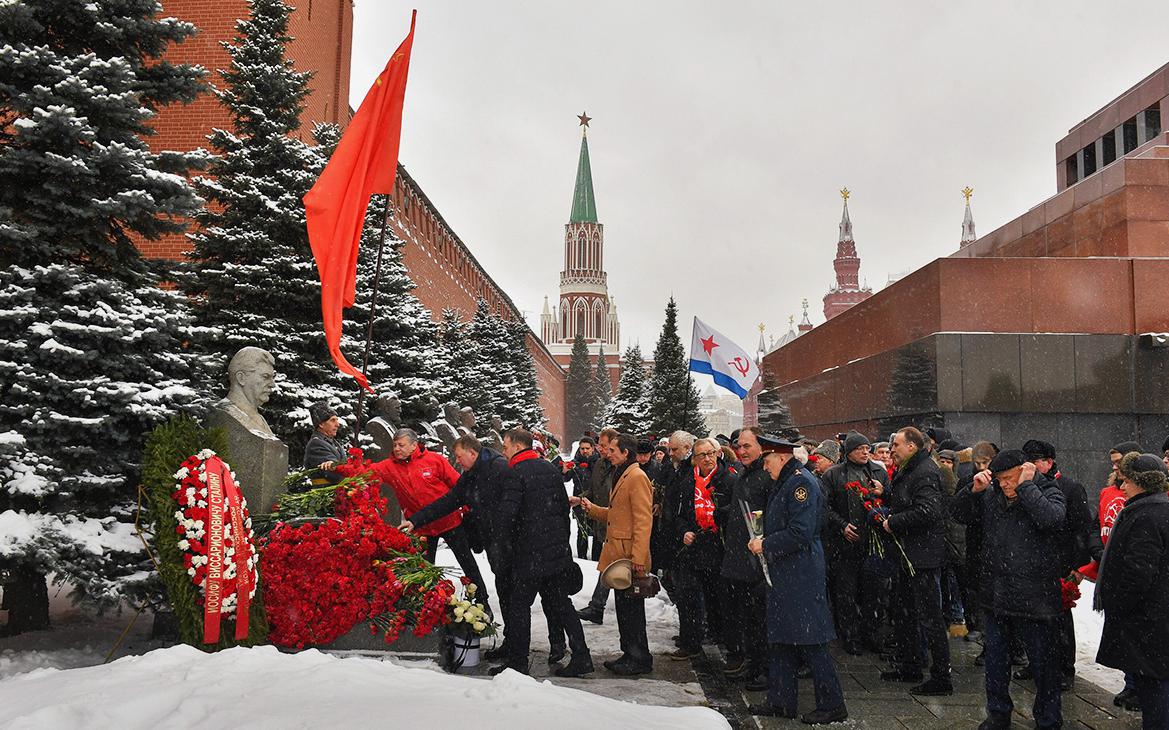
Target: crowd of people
x,y
774,547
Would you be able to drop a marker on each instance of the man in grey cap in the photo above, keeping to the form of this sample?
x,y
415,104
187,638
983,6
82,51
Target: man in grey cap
x,y
323,451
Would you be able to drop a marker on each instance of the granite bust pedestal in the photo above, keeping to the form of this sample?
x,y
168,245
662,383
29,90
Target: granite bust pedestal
x,y
258,457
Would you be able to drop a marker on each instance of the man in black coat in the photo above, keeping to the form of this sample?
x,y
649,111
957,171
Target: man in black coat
x,y
484,479
323,451
580,474
1073,539
917,520
746,595
846,536
1133,587
533,514
697,585
1021,512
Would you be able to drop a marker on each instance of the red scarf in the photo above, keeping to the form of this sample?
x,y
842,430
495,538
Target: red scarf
x,y
524,455
703,503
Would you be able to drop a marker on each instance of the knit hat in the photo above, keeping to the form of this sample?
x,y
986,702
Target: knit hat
x,y
1147,471
1036,449
320,412
937,434
1165,445
854,440
1006,460
829,449
1125,447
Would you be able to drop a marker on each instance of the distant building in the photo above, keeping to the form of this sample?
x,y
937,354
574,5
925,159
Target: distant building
x,y
847,291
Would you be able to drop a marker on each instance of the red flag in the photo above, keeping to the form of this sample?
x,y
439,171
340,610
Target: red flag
x,y
364,163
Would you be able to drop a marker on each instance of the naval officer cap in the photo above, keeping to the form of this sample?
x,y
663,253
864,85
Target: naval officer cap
x,y
769,443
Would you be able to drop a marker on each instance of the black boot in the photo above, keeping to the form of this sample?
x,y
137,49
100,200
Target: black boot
x,y
578,666
588,613
824,717
557,653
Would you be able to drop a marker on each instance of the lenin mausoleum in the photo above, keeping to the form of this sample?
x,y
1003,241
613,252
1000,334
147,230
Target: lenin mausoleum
x,y
1053,326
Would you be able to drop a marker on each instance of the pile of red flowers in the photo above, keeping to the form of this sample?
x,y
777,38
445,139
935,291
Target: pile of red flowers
x,y
323,579
876,513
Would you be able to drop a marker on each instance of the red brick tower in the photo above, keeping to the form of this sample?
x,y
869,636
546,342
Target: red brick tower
x,y
585,305
847,291
323,42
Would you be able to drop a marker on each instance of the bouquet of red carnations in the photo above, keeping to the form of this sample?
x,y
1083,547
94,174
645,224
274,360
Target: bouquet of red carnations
x,y
876,513
329,574
1069,593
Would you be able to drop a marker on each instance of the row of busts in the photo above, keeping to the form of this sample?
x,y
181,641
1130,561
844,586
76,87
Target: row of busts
x,y
260,459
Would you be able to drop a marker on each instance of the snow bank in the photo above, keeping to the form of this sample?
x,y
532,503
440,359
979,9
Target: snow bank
x,y
264,688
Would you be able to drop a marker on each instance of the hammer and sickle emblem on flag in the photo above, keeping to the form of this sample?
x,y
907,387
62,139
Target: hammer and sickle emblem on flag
x,y
743,366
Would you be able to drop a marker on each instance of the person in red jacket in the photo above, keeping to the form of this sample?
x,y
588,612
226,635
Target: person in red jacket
x,y
418,477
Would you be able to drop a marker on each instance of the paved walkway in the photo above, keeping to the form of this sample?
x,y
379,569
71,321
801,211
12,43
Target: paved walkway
x,y
872,703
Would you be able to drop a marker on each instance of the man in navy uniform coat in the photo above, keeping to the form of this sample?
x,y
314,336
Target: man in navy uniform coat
x,y
799,623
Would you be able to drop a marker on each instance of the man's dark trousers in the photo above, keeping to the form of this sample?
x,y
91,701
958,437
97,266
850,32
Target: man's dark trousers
x,y
785,661
1040,640
920,615
553,593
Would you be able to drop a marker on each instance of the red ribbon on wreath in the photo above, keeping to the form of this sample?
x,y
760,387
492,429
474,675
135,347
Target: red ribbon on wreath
x,y
222,492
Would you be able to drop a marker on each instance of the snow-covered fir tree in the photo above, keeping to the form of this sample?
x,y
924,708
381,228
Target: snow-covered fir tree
x,y
602,390
579,412
252,277
491,365
523,407
92,351
626,411
774,416
673,397
405,355
465,380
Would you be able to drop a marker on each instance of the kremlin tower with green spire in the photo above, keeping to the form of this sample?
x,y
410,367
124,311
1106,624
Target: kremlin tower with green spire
x,y
585,305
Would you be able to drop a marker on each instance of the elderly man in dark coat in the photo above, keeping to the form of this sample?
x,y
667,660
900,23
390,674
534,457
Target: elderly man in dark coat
x,y
799,623
917,519
1133,587
745,593
1073,539
696,567
1021,512
323,451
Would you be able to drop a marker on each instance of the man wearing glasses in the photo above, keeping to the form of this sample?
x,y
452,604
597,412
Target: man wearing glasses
x,y
696,568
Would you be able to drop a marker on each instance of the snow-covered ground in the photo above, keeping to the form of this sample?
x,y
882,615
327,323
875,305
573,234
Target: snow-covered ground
x,y
263,687
183,687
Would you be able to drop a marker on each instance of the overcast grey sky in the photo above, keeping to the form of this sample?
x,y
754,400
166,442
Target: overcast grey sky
x,y
723,131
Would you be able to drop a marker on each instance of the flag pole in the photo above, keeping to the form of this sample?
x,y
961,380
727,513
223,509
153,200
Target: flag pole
x,y
377,277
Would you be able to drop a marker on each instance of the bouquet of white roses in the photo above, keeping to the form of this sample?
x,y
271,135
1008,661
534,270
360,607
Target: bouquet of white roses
x,y
468,615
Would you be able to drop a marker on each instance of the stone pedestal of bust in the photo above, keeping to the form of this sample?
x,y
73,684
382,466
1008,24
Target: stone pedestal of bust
x,y
258,457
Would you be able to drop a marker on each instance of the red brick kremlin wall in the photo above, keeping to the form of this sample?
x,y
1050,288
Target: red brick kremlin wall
x,y
441,265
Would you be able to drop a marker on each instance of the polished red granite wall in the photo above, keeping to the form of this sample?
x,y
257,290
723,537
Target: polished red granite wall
x,y
1123,210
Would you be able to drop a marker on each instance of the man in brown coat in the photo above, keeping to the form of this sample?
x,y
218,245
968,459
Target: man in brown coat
x,y
629,521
